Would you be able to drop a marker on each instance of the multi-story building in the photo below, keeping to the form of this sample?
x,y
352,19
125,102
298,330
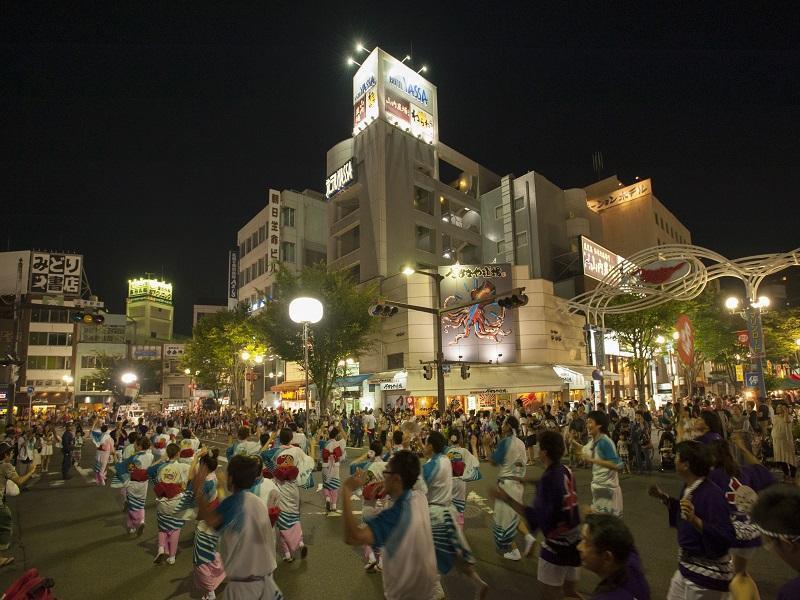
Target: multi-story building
x,y
205,308
96,343
149,308
290,230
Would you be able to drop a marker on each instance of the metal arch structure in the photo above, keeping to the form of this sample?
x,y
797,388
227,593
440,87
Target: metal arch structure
x,y
704,265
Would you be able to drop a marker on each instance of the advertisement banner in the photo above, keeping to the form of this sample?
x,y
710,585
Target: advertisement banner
x,y
743,338
621,196
174,350
397,107
56,273
233,274
739,372
482,332
359,111
274,231
685,344
146,352
597,261
421,124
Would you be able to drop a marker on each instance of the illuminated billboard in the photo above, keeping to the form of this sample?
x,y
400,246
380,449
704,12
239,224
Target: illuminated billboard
x,y
386,88
56,273
483,332
597,261
638,190
152,289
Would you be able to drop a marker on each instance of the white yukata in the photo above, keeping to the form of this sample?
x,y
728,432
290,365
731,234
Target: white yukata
x,y
331,475
247,545
448,538
404,533
510,457
189,447
462,461
242,448
160,441
606,492
372,504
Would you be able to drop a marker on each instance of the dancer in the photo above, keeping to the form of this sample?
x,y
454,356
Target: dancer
x,y
403,531
243,446
247,542
170,478
606,464
121,476
331,456
775,515
105,448
135,467
189,445
555,512
741,485
159,442
607,550
510,456
465,467
705,532
209,571
288,466
448,539
374,500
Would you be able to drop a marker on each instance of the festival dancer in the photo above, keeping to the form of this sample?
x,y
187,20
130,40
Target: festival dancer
x,y
159,442
555,512
331,457
170,478
465,468
243,526
135,467
775,515
374,498
705,532
189,445
606,464
120,476
448,538
608,551
289,466
511,457
209,571
242,446
105,448
403,530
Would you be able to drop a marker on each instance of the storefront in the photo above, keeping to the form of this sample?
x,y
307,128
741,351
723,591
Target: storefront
x,y
352,393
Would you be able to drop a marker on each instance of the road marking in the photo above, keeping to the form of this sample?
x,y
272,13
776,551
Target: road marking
x,y
480,502
57,483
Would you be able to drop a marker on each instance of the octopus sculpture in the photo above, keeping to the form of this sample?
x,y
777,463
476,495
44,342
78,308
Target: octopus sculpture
x,y
485,320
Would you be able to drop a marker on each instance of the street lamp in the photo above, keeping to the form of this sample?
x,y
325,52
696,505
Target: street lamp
x,y
67,379
750,310
437,335
249,359
128,378
305,310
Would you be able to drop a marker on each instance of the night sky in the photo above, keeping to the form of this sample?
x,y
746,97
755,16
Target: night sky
x,y
145,138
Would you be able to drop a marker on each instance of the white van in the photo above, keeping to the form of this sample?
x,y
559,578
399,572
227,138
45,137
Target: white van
x,y
131,412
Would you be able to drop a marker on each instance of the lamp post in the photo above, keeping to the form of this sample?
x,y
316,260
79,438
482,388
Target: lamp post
x,y
750,310
305,310
68,379
437,333
128,379
249,361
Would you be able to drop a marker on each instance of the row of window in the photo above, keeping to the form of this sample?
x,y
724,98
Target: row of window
x,y
260,236
668,229
519,204
49,383
521,239
46,315
44,338
49,362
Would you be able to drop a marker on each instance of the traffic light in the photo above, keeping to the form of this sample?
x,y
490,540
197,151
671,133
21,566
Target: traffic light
x,y
382,310
427,371
464,371
513,301
88,318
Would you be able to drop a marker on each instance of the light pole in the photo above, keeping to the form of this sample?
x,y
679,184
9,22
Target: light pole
x,y
305,310
750,311
249,361
437,335
128,379
68,379
671,369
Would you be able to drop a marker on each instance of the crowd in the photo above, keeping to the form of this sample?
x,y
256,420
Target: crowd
x,y
412,482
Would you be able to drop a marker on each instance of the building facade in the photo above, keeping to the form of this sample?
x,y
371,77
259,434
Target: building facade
x,y
289,230
149,308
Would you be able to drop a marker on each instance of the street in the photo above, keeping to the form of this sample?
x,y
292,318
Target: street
x,y
73,533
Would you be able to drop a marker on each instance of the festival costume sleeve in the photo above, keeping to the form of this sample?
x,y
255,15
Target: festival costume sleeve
x,y
605,451
230,511
429,470
385,521
499,454
718,533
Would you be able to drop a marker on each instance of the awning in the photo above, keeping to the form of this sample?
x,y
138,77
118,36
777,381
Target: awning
x,y
351,380
289,386
785,384
502,379
587,371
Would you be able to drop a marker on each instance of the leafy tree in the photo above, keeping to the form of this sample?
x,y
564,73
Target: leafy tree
x,y
110,368
214,352
344,330
781,330
637,332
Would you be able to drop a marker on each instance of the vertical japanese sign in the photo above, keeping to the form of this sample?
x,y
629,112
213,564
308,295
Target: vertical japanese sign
x,y
274,231
56,273
233,274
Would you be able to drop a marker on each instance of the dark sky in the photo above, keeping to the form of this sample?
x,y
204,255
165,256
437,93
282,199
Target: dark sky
x,y
145,137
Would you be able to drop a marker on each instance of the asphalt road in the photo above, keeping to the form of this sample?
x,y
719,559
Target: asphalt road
x,y
73,533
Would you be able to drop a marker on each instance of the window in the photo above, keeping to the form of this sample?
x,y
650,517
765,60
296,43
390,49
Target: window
x,y
424,238
49,362
498,212
90,385
519,203
423,200
522,239
287,216
288,252
312,257
254,239
262,233
656,216
90,362
247,275
37,338
349,241
394,361
248,245
500,247
261,266
242,250
354,273
176,391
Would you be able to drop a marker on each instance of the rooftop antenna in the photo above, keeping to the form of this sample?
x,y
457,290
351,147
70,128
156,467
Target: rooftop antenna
x,y
597,164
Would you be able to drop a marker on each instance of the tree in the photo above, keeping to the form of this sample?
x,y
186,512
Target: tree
x,y
781,330
344,330
637,331
214,351
109,369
